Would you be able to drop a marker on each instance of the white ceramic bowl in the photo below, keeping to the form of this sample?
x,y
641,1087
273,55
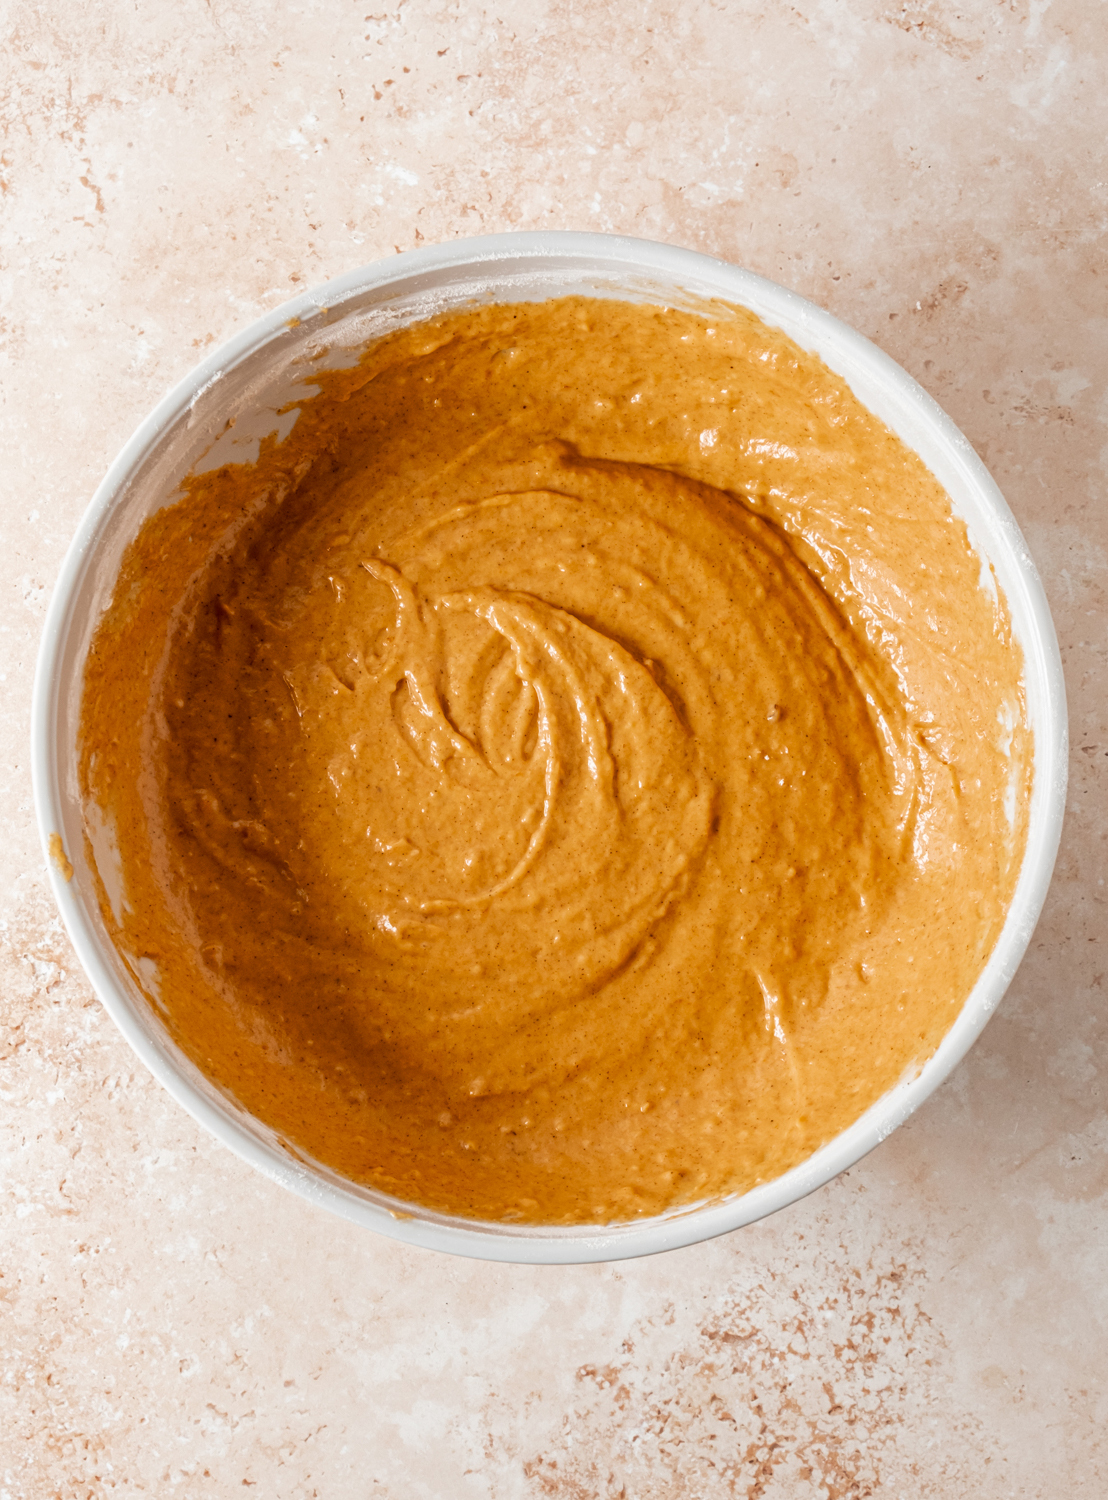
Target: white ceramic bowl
x,y
249,379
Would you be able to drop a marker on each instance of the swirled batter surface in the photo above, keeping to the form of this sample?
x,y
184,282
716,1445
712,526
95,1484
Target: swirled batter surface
x,y
575,772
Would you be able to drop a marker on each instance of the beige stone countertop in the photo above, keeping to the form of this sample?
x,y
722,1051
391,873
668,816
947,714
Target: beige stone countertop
x,y
935,1322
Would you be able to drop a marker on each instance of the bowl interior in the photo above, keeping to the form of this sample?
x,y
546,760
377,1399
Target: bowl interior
x,y
240,394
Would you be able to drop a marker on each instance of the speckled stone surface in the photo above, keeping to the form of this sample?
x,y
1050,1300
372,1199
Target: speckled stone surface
x,y
934,1323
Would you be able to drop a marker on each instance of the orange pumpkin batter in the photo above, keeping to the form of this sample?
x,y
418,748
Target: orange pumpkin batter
x,y
575,773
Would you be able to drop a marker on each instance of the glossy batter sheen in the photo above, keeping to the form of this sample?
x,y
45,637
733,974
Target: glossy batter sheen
x,y
575,773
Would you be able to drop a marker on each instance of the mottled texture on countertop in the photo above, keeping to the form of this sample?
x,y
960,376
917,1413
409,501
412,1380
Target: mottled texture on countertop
x,y
934,1322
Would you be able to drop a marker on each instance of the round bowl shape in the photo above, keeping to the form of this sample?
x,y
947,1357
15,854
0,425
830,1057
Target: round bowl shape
x,y
250,380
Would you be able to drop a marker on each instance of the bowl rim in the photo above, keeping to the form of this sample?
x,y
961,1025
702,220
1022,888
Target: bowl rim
x,y
808,324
